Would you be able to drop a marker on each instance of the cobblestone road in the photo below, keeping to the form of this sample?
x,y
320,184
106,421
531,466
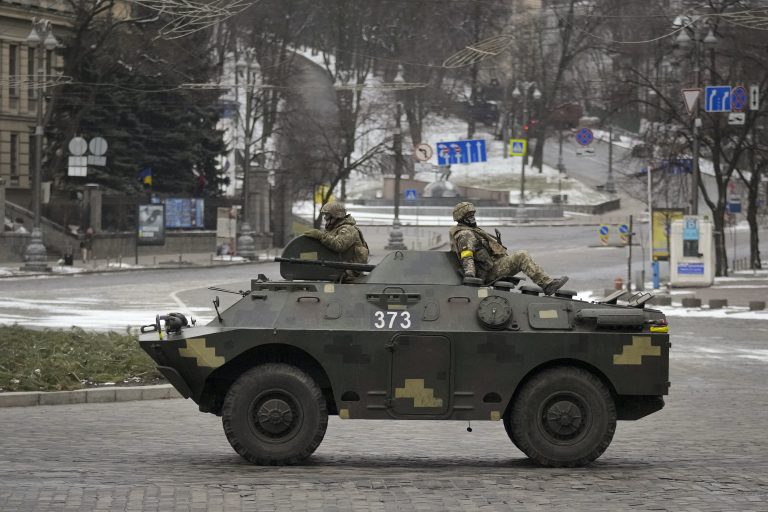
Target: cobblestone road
x,y
705,451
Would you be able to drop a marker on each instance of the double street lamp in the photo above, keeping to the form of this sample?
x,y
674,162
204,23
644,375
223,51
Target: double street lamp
x,y
685,42
527,87
40,38
246,246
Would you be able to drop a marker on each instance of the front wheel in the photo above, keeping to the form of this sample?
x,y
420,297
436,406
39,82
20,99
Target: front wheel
x,y
275,414
563,417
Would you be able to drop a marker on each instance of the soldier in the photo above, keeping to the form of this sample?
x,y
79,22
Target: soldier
x,y
342,236
482,254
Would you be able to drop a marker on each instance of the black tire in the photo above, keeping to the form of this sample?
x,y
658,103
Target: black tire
x,y
274,415
508,427
563,417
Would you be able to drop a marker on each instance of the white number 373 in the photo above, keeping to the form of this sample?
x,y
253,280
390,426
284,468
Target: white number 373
x,y
392,320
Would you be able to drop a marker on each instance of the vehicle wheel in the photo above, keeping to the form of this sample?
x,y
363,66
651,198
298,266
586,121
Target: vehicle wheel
x,y
563,417
274,414
508,427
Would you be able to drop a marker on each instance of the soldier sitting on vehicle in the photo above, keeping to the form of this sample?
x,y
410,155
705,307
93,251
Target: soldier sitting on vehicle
x,y
482,255
342,236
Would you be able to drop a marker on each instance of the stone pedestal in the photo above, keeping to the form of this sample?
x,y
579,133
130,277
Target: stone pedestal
x,y
395,242
35,256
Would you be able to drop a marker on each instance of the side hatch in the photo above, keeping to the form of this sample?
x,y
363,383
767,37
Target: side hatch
x,y
420,383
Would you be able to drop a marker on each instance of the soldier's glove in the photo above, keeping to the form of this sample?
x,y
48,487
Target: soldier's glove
x,y
314,233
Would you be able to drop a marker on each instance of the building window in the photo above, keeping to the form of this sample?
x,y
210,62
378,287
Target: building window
x,y
14,156
13,69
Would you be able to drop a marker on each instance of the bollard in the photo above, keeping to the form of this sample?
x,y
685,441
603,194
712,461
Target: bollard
x,y
661,300
756,305
655,267
691,302
717,303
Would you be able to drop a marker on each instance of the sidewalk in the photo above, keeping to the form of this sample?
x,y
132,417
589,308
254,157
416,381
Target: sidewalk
x,y
149,262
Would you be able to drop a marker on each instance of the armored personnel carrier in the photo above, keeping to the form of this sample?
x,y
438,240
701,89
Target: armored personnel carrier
x,y
410,338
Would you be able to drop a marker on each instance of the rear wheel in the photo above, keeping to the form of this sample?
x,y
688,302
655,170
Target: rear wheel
x,y
563,417
275,414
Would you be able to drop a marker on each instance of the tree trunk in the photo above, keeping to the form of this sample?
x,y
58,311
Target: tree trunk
x,y
754,236
721,255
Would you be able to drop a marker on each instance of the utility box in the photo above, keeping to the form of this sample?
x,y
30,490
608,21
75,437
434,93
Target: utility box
x,y
691,252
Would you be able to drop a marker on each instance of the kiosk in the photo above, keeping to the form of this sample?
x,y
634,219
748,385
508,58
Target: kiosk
x,y
691,252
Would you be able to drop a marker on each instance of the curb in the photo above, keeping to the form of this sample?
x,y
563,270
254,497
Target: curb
x,y
134,269
88,396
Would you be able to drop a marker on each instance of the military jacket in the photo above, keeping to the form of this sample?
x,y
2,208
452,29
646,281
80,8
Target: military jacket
x,y
476,249
347,239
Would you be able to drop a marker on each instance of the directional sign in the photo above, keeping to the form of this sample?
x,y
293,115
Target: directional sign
x,y
717,98
411,194
624,233
461,152
690,97
604,230
738,99
423,152
517,147
754,97
584,137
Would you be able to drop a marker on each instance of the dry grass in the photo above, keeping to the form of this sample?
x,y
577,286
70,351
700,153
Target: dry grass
x,y
55,360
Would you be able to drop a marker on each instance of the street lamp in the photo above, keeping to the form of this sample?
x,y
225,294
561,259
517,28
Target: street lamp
x,y
246,246
395,241
685,42
527,86
40,37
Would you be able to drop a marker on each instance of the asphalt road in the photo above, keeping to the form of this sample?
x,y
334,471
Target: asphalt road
x,y
705,451
117,300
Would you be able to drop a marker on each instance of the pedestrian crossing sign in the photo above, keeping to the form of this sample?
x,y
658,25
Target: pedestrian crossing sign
x,y
517,147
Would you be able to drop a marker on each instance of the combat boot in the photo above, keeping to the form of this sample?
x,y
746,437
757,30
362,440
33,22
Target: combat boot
x,y
555,285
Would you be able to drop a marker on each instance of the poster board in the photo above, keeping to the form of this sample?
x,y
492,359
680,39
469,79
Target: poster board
x,y
151,224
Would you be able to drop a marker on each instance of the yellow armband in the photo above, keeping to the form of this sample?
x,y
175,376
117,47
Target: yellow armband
x,y
467,254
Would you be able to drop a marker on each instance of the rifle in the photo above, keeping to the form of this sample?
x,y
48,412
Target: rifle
x,y
360,267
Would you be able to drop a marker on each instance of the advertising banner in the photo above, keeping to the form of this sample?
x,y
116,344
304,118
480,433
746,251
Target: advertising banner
x,y
151,225
662,222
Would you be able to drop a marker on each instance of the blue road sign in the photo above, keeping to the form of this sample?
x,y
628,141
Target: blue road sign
x,y
717,98
738,99
623,229
584,136
734,205
518,148
604,230
461,152
411,194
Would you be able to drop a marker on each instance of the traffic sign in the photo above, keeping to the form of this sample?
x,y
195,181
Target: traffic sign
x,y
717,98
78,146
584,137
98,146
423,152
461,152
411,194
604,230
517,147
624,233
754,97
690,97
738,98
736,118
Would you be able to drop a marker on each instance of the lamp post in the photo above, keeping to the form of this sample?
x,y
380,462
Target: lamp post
x,y
395,241
40,38
246,246
610,186
685,42
527,87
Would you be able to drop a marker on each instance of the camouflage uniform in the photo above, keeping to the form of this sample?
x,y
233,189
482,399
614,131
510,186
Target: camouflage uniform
x,y
343,236
482,256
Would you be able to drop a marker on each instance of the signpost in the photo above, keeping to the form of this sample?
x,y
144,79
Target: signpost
x,y
717,98
624,233
738,98
584,136
690,97
517,147
411,194
604,234
423,152
461,152
754,97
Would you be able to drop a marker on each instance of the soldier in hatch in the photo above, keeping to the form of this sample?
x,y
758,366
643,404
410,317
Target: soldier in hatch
x,y
342,236
482,255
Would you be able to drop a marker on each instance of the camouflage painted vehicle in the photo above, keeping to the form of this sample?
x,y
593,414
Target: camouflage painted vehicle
x,y
412,339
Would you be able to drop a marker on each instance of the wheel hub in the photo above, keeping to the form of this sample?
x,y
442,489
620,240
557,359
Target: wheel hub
x,y
275,416
563,419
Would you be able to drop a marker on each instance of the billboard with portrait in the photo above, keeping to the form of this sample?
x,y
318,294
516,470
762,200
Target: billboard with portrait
x,y
151,225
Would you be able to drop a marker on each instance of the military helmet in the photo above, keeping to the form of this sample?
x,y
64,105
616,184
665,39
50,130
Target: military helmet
x,y
462,209
334,210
